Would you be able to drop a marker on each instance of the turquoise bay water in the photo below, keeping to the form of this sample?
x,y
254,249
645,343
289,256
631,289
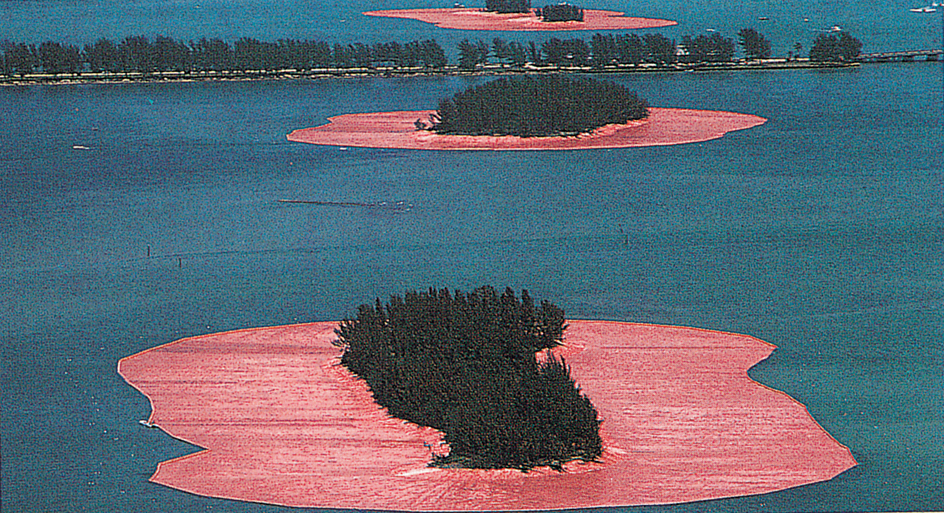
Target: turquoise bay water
x,y
883,26
820,232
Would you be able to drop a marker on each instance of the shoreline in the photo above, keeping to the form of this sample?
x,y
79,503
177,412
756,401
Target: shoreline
x,y
683,422
448,71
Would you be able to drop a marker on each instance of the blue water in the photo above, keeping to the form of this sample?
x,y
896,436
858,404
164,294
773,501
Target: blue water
x,y
820,232
887,25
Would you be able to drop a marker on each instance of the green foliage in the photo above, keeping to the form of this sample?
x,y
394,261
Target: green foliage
x,y
833,48
19,58
472,54
542,105
566,52
59,58
508,6
755,45
465,364
659,49
560,12
713,48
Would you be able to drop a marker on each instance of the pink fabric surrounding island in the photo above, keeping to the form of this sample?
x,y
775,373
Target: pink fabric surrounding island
x,y
283,423
397,130
478,19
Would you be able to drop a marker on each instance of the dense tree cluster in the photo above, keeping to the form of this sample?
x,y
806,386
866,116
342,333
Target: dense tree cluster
x,y
833,48
560,12
755,45
702,48
465,364
162,54
609,49
508,6
534,106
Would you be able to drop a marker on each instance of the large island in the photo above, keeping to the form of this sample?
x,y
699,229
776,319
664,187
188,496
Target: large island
x,y
283,422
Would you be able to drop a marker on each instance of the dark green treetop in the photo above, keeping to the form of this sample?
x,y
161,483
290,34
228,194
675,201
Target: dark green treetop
x,y
755,45
833,48
466,364
508,6
535,106
560,12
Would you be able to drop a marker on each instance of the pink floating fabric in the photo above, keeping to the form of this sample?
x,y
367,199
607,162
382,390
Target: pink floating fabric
x,y
478,19
397,130
283,423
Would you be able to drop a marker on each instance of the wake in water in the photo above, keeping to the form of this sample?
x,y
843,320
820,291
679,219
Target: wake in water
x,y
395,206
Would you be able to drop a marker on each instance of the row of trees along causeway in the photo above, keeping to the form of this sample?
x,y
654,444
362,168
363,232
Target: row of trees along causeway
x,y
162,54
139,54
607,50
466,365
535,106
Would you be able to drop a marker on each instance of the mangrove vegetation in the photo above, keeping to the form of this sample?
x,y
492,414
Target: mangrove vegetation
x,y
535,106
466,364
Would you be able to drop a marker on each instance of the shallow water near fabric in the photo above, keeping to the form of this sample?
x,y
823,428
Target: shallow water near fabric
x,y
819,232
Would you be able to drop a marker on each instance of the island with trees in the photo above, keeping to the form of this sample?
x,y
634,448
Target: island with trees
x,y
537,106
467,365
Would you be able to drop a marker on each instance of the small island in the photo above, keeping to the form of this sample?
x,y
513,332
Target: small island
x,y
536,106
282,422
467,365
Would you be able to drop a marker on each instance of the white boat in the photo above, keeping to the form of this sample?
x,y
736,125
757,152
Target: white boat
x,y
835,28
929,8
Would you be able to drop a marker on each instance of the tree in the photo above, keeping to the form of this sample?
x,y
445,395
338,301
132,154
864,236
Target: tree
x,y
342,56
755,45
171,55
432,55
501,50
849,47
630,49
19,58
212,55
832,48
713,48
517,53
137,54
603,47
508,6
560,12
658,49
465,364
538,106
57,58
472,54
567,52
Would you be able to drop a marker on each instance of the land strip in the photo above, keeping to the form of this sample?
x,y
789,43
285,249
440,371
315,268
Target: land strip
x,y
381,72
